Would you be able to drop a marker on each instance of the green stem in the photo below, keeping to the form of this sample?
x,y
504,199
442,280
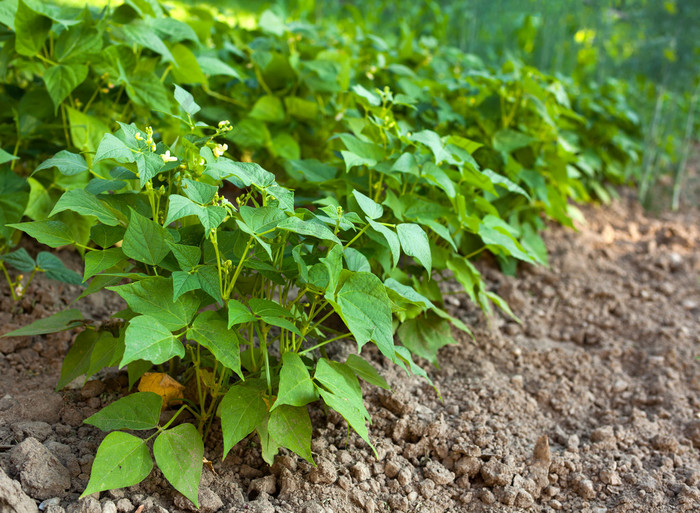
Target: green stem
x,y
356,236
317,346
239,267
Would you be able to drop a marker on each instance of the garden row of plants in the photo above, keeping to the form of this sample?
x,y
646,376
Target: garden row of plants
x,y
255,193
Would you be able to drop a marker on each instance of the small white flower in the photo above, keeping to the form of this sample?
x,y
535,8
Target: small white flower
x,y
220,149
138,136
167,158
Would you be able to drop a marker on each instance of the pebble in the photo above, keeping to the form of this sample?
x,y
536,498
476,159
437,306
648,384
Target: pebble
x,y
41,474
392,468
404,476
324,472
584,487
438,473
86,505
124,506
486,496
265,484
12,496
610,477
361,471
36,429
497,473
467,465
109,507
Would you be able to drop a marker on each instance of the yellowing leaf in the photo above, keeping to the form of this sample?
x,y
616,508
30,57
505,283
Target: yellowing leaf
x,y
163,385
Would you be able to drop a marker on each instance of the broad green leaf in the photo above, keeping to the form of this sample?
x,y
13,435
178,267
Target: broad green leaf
x,y
107,352
425,335
414,242
267,308
242,409
212,66
85,204
296,387
145,240
77,360
261,219
98,261
187,256
139,411
311,170
241,174
391,238
6,157
507,140
113,148
179,207
353,415
31,29
55,269
363,305
368,205
496,232
367,151
310,228
61,321
433,141
20,260
504,182
122,460
238,313
436,175
67,163
403,355
186,69
407,293
290,427
151,297
334,263
140,33
268,446
371,97
179,454
51,233
199,192
356,261
363,369
62,79
213,333
106,236
406,163
186,101
184,282
148,339
268,108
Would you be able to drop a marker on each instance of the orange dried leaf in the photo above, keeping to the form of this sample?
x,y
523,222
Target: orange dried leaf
x,y
163,385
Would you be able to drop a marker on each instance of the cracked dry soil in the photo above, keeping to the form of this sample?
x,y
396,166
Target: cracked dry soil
x,y
591,405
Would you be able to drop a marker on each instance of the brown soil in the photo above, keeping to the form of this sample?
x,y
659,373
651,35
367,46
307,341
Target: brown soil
x,y
591,405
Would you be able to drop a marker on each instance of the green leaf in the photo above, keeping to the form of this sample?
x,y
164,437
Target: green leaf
x,y
391,238
267,308
238,313
296,387
77,360
147,339
98,261
184,282
425,335
113,148
67,163
139,411
334,263
364,306
310,228
107,352
497,233
356,261
31,29
261,219
242,409
140,33
268,446
290,426
341,391
407,293
62,79
6,157
508,140
179,207
151,296
122,460
51,233
85,204
368,205
106,236
187,256
186,101
186,69
145,240
268,108
241,174
20,260
199,192
433,141
213,333
178,453
56,270
212,66
61,321
363,369
414,242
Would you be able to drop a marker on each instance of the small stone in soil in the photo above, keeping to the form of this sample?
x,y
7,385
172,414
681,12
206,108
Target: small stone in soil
x,y
41,474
